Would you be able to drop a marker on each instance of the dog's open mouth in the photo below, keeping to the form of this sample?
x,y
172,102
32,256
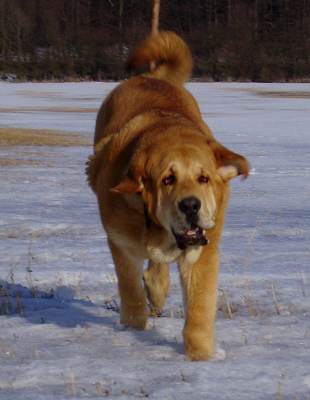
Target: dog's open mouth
x,y
194,236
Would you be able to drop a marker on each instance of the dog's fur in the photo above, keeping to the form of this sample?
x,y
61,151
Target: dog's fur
x,y
153,150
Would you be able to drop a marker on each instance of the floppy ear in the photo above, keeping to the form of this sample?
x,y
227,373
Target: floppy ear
x,y
229,164
133,181
128,185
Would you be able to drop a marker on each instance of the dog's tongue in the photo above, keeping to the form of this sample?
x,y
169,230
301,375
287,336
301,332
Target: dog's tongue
x,y
192,232
191,237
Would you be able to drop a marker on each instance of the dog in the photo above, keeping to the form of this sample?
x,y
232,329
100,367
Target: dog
x,y
162,184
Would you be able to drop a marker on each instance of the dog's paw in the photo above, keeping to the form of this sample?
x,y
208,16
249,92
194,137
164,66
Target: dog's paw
x,y
219,354
134,319
197,347
204,354
136,323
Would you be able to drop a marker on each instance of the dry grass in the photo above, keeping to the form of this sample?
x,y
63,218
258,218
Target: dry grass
x,y
48,109
284,94
5,302
40,137
11,162
225,305
277,94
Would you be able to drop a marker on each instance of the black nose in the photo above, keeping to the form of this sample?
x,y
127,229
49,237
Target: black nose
x,y
190,205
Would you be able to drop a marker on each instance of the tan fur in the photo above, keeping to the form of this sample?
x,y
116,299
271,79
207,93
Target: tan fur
x,y
157,285
171,55
150,128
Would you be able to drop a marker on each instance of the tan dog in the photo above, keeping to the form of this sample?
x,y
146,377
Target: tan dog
x,y
161,179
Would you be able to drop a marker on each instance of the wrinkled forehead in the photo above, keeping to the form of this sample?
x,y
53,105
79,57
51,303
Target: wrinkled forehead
x,y
185,160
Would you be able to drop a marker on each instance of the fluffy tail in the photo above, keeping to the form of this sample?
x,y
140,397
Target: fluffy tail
x,y
168,53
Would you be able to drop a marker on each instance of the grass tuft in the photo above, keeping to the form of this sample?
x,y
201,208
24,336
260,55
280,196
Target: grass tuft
x,y
40,137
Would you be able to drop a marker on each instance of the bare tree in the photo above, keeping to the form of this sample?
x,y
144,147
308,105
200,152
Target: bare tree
x,y
155,24
236,39
3,32
155,16
120,25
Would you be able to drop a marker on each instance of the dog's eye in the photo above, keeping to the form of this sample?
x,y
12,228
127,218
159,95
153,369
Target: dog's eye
x,y
203,179
169,180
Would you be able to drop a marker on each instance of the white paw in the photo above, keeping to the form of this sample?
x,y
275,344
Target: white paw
x,y
219,354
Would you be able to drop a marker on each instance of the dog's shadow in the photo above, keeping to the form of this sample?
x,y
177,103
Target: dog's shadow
x,y
60,307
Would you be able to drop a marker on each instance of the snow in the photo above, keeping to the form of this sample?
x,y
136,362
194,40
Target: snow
x,y
60,335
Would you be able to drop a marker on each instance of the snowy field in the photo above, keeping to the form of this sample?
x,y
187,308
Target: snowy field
x,y
59,332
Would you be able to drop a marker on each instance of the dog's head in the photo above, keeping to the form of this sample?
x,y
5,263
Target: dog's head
x,y
181,179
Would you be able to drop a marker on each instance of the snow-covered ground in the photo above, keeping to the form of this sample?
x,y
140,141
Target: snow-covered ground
x,y
59,332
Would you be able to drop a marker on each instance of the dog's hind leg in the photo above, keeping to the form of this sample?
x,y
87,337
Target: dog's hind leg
x,y
129,270
157,285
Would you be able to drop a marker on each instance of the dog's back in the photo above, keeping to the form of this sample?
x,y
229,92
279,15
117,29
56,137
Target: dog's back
x,y
159,89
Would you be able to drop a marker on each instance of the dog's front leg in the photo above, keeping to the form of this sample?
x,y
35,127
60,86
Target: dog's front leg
x,y
129,270
199,283
157,284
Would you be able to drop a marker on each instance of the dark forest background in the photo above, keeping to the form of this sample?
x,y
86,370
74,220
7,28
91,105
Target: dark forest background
x,y
257,40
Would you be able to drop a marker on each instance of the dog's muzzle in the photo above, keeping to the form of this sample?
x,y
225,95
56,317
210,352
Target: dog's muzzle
x,y
193,236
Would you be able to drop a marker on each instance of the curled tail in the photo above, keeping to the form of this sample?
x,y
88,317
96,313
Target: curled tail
x,y
170,55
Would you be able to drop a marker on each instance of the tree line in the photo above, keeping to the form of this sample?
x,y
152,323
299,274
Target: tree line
x,y
257,40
